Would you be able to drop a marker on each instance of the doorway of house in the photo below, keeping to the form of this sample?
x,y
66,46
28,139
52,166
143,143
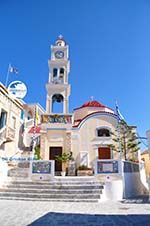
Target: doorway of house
x,y
104,153
53,152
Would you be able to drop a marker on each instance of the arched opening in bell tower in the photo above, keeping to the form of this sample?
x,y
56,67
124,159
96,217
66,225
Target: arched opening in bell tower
x,y
57,103
61,75
55,70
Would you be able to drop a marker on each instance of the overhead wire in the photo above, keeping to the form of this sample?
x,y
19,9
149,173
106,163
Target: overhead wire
x,y
141,139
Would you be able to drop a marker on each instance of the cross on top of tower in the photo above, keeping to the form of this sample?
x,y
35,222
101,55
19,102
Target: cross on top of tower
x,y
60,37
92,98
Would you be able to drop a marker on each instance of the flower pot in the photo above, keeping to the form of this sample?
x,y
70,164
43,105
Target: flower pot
x,y
63,174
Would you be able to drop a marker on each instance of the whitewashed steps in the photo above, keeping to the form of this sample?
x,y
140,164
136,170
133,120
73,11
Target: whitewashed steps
x,y
60,189
49,200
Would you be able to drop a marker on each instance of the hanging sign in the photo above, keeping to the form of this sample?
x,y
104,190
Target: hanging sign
x,y
18,89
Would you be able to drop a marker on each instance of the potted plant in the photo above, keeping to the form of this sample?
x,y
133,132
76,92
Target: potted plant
x,y
83,170
37,153
64,158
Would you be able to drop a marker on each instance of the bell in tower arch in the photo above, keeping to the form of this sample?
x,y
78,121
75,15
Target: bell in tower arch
x,y
57,103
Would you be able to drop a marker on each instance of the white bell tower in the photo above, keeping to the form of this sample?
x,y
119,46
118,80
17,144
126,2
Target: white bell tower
x,y
58,89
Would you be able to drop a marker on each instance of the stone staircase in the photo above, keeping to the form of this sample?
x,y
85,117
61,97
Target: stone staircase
x,y
67,189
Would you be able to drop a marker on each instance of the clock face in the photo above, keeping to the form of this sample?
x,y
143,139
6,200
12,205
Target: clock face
x,y
59,54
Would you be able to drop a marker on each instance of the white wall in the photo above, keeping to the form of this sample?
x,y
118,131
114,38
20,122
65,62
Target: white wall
x,y
132,185
3,171
135,183
124,185
113,189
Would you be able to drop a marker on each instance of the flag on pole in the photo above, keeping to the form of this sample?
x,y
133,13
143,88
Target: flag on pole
x,y
36,115
13,70
118,112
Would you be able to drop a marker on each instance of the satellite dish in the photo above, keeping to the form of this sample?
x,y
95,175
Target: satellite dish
x,y
18,89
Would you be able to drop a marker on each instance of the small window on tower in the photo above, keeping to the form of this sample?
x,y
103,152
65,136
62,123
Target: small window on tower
x,y
62,72
55,72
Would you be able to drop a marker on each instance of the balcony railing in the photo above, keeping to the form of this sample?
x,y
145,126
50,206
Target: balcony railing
x,y
107,166
66,119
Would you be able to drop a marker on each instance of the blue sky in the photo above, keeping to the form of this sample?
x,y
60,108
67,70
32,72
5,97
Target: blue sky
x,y
109,50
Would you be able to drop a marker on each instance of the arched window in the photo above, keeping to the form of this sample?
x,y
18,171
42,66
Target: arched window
x,y
55,72
57,101
103,132
62,71
59,43
61,75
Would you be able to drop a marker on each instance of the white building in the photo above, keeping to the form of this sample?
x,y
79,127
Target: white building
x,y
10,123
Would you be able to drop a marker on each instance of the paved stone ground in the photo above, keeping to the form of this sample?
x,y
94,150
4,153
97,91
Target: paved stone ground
x,y
23,213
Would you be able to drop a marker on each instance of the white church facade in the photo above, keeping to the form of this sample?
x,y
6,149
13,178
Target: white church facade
x,y
86,133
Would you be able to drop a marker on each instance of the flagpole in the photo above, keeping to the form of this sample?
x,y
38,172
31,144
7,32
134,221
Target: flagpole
x,y
7,76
